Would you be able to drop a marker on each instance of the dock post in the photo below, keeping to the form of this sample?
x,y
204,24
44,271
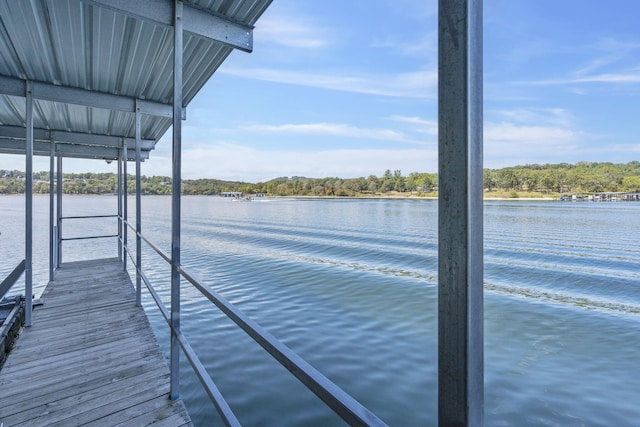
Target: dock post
x,y
119,192
460,215
175,199
138,211
52,252
28,193
125,192
59,210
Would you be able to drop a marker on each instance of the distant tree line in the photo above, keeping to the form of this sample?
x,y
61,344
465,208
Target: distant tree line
x,y
548,179
585,177
388,182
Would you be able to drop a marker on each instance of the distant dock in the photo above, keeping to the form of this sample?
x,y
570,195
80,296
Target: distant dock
x,y
604,196
89,357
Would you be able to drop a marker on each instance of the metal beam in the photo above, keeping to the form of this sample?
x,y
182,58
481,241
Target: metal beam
x,y
81,138
176,172
125,198
78,96
196,21
460,232
59,210
138,213
52,153
120,160
12,146
97,140
28,195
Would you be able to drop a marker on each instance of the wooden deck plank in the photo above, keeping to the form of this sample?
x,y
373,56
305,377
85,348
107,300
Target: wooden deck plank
x,y
103,317
17,382
159,414
66,400
102,406
76,382
89,358
82,345
62,331
93,404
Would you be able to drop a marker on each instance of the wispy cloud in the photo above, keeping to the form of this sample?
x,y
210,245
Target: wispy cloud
x,y
608,62
613,78
530,136
557,117
537,136
424,45
613,51
289,32
429,127
334,129
415,84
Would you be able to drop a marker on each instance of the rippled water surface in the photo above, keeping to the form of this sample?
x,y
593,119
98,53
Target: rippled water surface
x,y
350,285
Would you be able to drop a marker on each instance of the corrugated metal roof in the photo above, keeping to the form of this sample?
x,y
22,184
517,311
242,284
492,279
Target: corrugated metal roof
x,y
91,45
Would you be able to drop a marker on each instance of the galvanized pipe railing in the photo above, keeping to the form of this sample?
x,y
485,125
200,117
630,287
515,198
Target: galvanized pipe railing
x,y
212,390
90,216
89,237
331,394
12,278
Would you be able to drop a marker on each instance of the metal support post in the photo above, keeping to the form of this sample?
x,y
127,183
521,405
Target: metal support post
x,y
125,186
52,153
460,255
59,210
175,199
119,192
28,193
138,211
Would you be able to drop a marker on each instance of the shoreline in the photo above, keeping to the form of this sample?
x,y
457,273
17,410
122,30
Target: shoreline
x,y
396,197
369,197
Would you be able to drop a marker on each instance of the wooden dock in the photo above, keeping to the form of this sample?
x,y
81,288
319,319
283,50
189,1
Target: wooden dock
x,y
90,357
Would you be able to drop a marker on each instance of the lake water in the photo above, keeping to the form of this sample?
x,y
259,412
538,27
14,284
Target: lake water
x,y
350,285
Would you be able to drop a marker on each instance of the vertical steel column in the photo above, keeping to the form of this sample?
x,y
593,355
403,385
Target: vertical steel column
x,y
138,211
175,198
59,210
52,152
460,255
28,194
125,186
120,254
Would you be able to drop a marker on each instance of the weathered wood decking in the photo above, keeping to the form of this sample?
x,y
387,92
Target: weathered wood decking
x,y
90,357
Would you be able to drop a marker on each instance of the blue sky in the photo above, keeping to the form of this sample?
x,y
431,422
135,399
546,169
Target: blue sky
x,y
348,89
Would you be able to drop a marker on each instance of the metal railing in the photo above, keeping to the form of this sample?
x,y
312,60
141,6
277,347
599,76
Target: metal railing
x,y
332,395
12,278
88,237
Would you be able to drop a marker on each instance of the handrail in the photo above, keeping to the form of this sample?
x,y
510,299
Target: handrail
x,y
89,237
152,290
89,216
332,395
65,239
212,390
12,278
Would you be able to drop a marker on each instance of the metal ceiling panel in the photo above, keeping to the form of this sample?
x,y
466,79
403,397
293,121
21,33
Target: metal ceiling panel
x,y
83,45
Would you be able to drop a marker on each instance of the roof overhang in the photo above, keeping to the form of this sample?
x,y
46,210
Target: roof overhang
x,y
90,64
196,21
